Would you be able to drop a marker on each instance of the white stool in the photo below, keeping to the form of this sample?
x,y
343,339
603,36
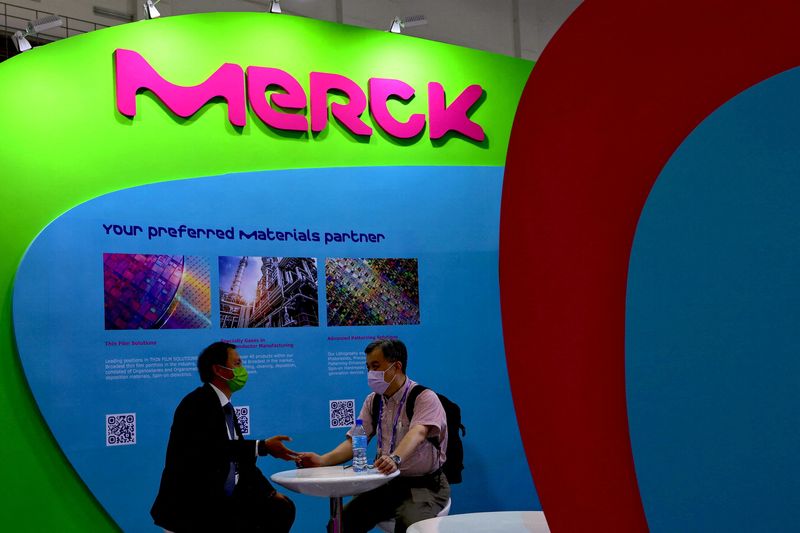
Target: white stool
x,y
388,525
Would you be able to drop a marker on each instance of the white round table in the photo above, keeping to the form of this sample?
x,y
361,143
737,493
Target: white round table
x,y
332,482
499,522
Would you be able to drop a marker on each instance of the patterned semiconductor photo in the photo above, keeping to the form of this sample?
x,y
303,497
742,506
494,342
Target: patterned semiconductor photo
x,y
372,292
156,291
267,292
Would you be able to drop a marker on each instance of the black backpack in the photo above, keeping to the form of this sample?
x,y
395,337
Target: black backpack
x,y
455,429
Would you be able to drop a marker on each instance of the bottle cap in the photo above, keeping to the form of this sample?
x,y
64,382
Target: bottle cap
x,y
359,422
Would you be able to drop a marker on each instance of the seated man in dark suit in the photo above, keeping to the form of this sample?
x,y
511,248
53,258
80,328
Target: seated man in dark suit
x,y
210,480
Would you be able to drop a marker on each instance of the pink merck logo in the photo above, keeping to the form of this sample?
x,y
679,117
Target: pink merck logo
x,y
134,73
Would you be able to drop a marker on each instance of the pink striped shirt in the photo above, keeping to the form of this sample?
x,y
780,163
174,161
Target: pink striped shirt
x,y
428,411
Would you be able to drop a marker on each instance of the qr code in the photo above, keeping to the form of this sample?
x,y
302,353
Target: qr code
x,y
243,416
121,429
343,413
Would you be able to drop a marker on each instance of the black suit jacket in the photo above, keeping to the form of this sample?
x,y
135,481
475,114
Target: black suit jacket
x,y
192,494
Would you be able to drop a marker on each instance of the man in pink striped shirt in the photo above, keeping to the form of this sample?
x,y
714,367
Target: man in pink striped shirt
x,y
415,446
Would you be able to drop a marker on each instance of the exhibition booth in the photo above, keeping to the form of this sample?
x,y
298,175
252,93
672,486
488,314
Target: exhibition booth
x,y
295,187
596,259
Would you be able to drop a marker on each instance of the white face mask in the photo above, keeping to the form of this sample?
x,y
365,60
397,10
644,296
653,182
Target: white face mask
x,y
376,381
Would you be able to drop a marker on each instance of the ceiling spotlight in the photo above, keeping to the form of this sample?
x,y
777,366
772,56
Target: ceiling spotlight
x,y
399,24
275,6
34,27
45,23
150,11
20,42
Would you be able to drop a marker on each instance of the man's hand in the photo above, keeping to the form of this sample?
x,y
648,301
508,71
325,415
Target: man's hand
x,y
275,447
385,464
343,452
308,460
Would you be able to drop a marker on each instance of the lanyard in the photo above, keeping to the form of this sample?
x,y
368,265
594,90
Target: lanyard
x,y
396,419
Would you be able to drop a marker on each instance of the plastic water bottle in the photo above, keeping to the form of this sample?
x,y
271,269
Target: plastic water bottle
x,y
359,447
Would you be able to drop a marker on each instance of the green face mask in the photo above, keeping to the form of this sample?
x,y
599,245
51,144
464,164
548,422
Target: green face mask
x,y
239,379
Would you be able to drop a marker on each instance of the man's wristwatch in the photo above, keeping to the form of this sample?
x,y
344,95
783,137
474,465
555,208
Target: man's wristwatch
x,y
396,459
